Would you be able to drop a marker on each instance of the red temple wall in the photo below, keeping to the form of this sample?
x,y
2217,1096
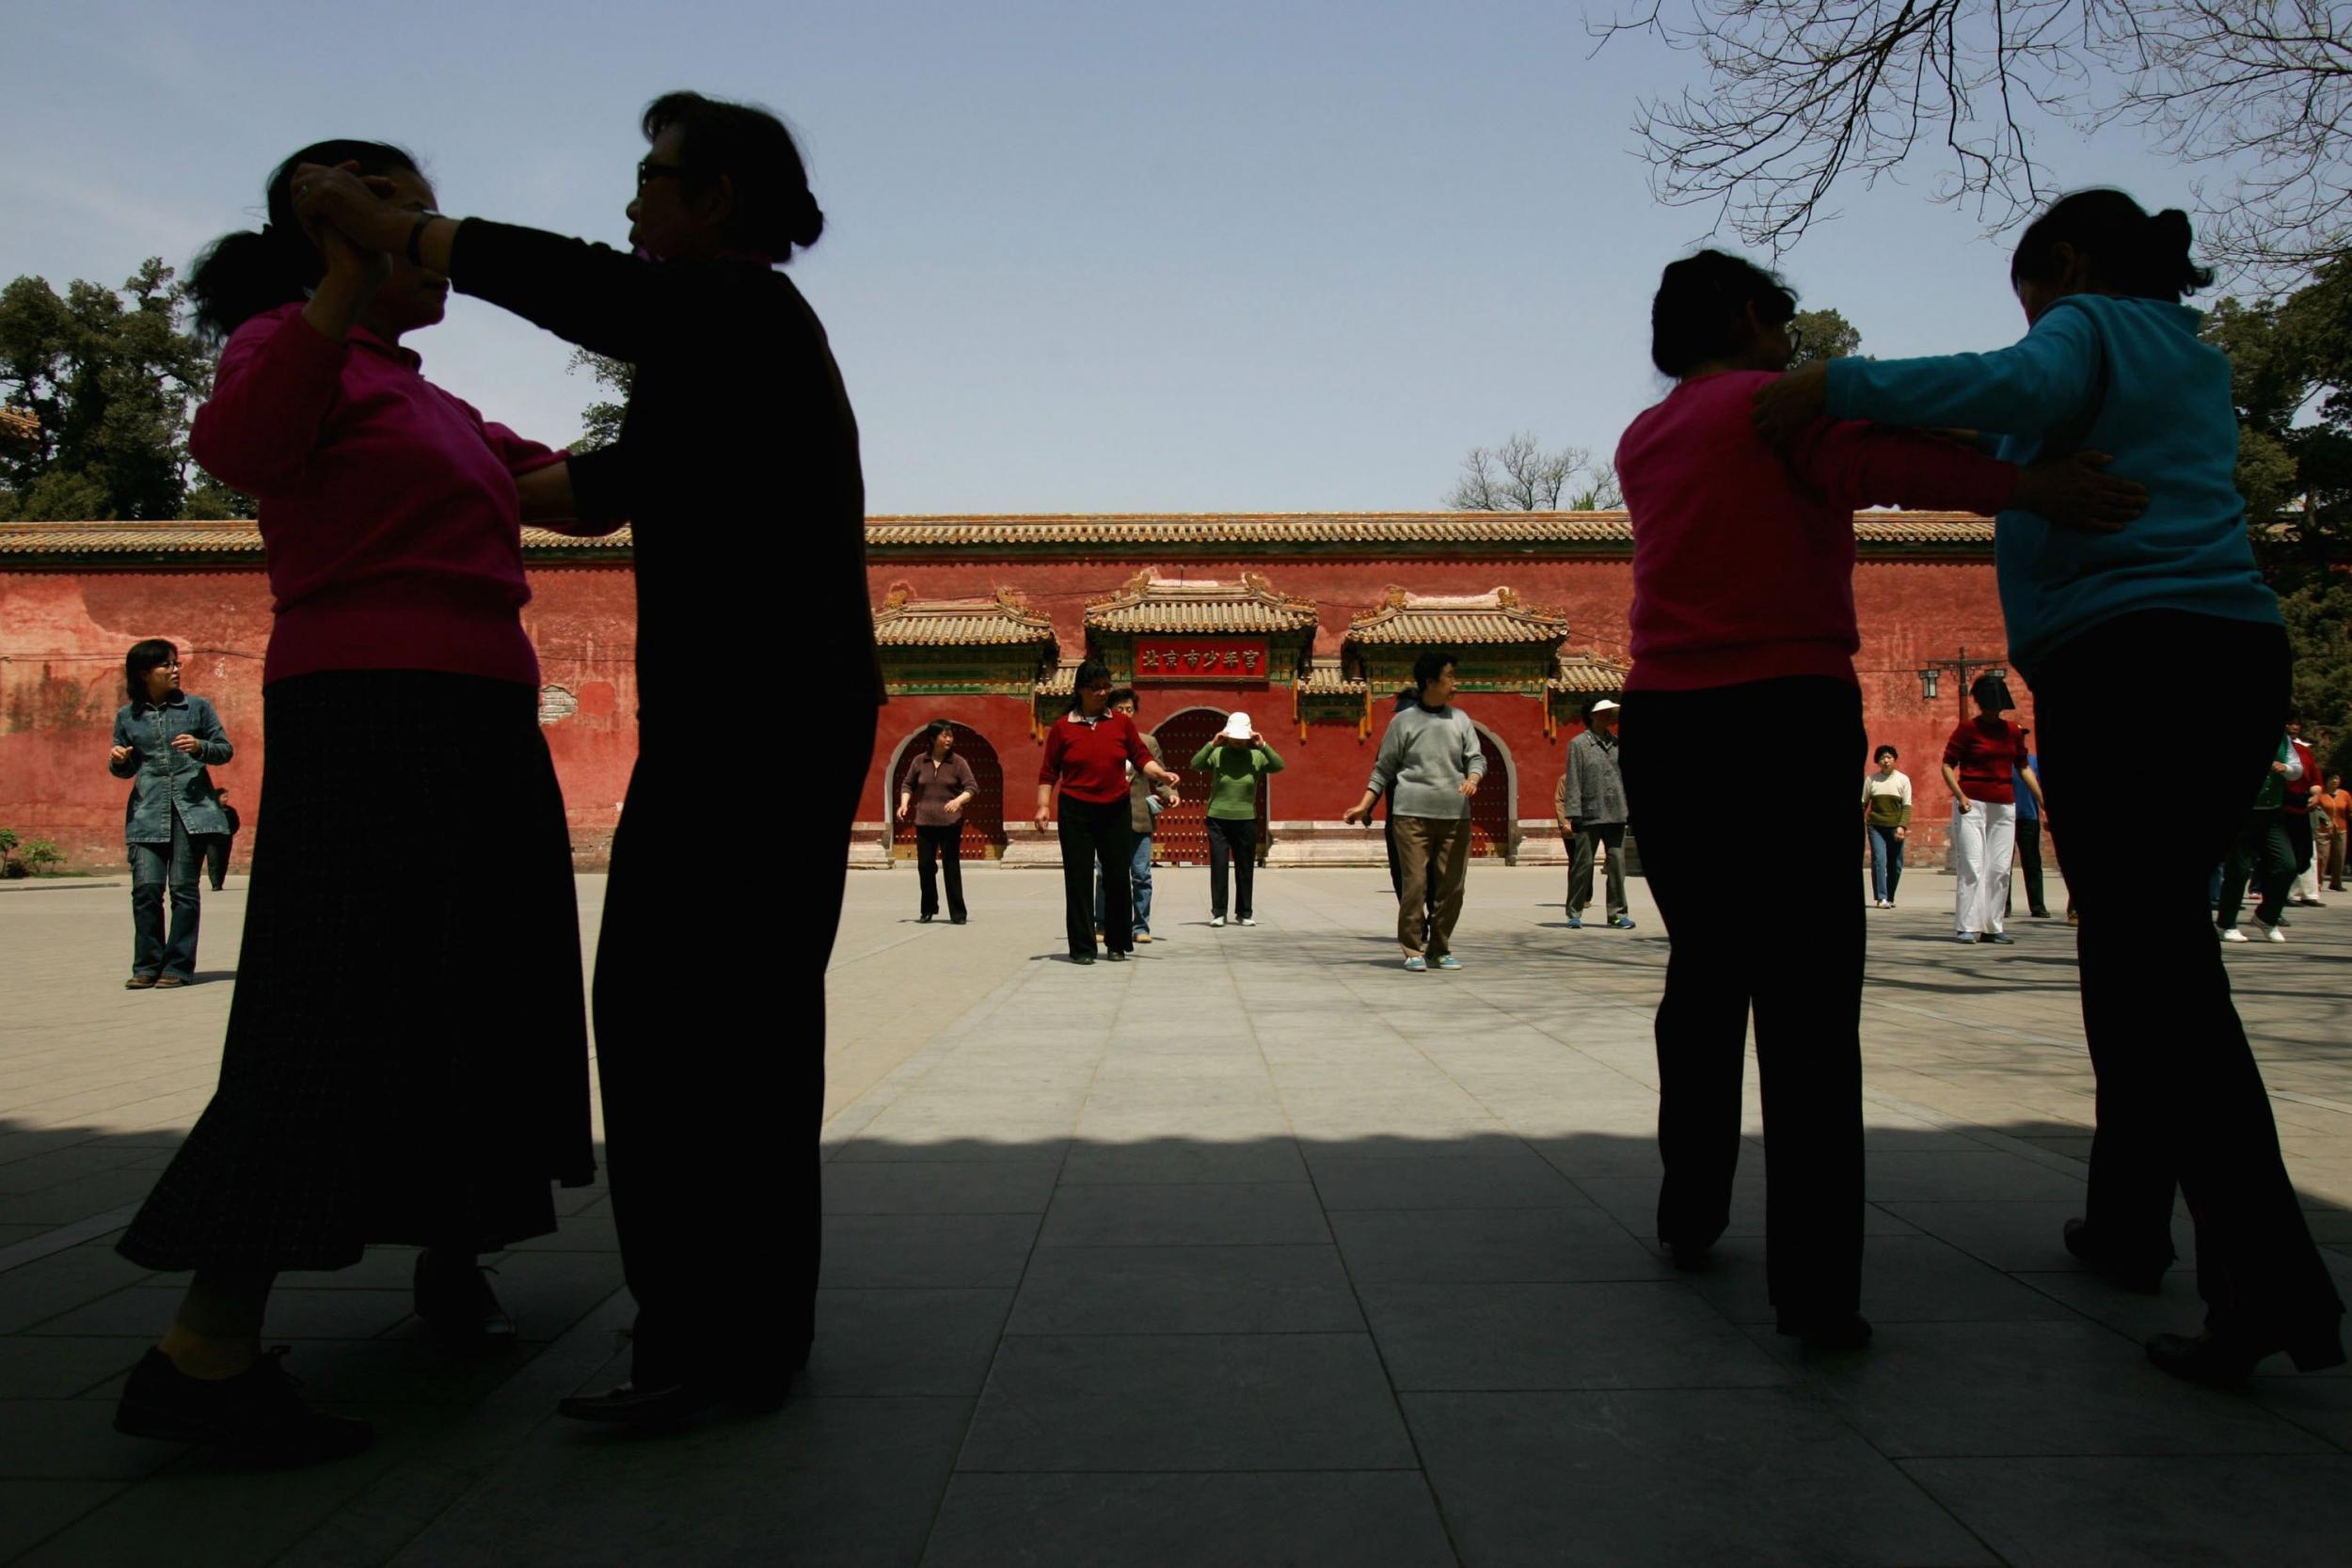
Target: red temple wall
x,y
63,633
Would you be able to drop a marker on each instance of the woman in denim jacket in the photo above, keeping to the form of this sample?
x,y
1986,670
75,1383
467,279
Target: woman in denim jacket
x,y
166,742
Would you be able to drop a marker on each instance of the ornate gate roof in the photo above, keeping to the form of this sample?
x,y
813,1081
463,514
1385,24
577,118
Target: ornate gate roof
x,y
1149,604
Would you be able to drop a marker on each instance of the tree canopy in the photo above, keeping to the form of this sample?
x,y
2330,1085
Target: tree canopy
x,y
103,382
1801,98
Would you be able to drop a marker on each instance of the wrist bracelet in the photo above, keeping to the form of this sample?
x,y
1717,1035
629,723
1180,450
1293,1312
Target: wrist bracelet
x,y
416,236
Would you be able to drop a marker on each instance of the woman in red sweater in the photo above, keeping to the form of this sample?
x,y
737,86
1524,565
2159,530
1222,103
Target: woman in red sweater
x,y
1982,762
428,1099
1088,753
1743,625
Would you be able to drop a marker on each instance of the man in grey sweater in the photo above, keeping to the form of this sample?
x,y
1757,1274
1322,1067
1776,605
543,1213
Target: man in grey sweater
x,y
1429,766
1591,806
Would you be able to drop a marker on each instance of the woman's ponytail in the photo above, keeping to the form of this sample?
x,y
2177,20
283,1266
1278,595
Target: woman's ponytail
x,y
2126,251
241,275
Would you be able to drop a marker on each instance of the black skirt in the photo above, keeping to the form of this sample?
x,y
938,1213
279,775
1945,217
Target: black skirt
x,y
407,1052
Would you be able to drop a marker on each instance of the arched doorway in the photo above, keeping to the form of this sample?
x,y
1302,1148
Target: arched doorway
x,y
1180,836
983,820
1495,805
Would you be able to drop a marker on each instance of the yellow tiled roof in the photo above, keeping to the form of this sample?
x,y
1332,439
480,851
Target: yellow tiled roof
x,y
1149,604
906,621
1589,674
1442,620
1327,677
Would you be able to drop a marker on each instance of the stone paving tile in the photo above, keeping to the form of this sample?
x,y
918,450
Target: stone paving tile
x,y
1193,1402
979,1251
2026,1388
1524,1246
1225,1214
1656,1334
1186,1289
1376,1519
1182,1159
1737,1477
881,1187
2129,1512
1521,1181
31,1511
1911,1278
905,1341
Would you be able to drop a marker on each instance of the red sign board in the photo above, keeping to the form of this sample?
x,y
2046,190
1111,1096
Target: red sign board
x,y
1191,661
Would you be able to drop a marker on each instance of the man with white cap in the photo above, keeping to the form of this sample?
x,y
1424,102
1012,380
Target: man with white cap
x,y
1236,758
1590,803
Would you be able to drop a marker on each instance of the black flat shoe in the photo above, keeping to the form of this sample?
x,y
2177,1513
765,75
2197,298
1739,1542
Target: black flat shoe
x,y
957,920
2226,1361
922,920
1081,958
1691,1257
454,1300
1114,956
1839,1331
2145,1274
668,1403
256,1414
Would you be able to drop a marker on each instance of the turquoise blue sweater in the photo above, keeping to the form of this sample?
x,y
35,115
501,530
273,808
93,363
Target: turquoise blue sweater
x,y
2166,416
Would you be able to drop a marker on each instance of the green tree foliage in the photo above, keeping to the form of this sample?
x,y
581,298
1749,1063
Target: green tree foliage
x,y
109,377
601,421
2291,379
1824,334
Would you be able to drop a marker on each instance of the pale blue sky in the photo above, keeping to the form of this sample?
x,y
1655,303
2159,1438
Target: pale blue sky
x,y
1080,257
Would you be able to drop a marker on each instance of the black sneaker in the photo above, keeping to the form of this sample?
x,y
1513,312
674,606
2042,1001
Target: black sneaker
x,y
256,1414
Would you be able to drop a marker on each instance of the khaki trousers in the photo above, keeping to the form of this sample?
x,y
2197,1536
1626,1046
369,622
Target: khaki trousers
x,y
1434,854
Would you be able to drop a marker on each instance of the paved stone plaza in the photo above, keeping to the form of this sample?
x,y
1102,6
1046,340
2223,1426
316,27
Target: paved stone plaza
x,y
1256,1250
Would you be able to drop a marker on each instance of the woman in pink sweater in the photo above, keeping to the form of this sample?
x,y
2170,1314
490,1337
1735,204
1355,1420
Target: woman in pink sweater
x,y
1743,627
406,1053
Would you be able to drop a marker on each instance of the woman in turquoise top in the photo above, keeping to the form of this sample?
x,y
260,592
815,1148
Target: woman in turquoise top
x,y
1236,758
2111,361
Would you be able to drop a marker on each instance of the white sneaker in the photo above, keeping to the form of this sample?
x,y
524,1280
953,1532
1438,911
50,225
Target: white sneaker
x,y
2231,933
1249,920
2272,933
1219,920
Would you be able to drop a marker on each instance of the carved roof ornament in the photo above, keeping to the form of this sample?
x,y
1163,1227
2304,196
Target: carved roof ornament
x,y
1002,620
1442,620
1153,605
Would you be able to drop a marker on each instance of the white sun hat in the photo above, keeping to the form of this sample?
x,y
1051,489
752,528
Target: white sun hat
x,y
1604,706
1238,727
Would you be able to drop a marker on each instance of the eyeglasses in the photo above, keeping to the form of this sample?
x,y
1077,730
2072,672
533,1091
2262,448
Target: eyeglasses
x,y
648,171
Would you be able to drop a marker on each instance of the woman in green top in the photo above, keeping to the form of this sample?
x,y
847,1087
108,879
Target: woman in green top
x,y
1234,759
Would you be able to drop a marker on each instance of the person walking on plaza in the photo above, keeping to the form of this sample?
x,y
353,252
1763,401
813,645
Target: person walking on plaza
x,y
937,786
1234,759
1886,823
1590,803
1088,753
1981,770
2026,787
2302,834
2336,802
432,1107
1744,627
167,743
216,847
1145,800
2263,855
2112,360
1428,767
737,412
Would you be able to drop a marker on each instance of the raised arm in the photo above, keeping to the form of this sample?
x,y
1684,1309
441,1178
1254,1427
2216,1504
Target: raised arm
x,y
2039,382
1269,760
277,381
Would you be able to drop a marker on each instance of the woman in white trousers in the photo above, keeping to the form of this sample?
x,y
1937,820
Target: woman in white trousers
x,y
1981,768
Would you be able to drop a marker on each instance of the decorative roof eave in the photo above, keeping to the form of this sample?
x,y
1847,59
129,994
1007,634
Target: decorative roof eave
x,y
1397,535
1150,605
1588,675
1003,621
1485,619
1327,677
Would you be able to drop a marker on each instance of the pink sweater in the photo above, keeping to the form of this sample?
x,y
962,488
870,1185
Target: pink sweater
x,y
1738,574
389,509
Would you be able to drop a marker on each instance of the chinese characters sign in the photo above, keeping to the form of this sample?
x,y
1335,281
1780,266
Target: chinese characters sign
x,y
1189,659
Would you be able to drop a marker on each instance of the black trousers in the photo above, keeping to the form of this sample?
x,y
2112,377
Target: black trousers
x,y
712,1114
2181,1100
1232,842
934,847
2261,857
1587,842
1097,838
217,858
2299,840
1807,995
2028,858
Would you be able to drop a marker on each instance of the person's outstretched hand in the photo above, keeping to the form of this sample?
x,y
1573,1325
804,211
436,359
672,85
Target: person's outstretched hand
x,y
2076,492
1355,816
340,198
1786,407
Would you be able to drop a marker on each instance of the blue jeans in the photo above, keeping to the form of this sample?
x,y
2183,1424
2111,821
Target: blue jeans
x,y
154,868
1886,862
1138,886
